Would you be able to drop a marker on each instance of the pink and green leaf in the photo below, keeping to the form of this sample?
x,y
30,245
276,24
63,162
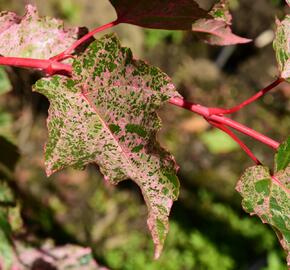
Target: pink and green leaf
x,y
281,46
159,14
268,196
216,30
179,15
106,114
32,36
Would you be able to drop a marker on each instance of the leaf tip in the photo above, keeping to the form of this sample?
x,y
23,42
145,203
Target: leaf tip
x,y
159,229
48,172
157,251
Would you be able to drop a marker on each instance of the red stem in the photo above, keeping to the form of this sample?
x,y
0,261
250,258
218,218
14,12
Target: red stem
x,y
236,139
259,94
277,181
48,66
67,53
204,111
52,67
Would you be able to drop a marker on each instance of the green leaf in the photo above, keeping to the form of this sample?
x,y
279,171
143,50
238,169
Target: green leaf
x,y
282,158
106,114
218,142
32,36
269,196
5,85
281,46
6,249
179,15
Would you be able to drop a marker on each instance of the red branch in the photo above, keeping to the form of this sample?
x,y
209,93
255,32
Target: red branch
x,y
204,111
236,139
51,67
259,94
67,53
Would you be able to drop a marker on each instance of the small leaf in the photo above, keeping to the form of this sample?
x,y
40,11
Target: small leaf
x,y
281,46
106,114
216,30
218,142
5,85
179,15
282,158
32,36
269,196
6,249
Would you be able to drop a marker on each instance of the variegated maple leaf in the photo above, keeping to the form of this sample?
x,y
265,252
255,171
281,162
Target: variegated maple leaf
x,y
106,114
217,29
282,47
32,36
159,14
268,196
180,15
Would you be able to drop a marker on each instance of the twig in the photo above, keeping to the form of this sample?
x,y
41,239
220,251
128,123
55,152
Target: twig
x,y
67,53
236,139
50,67
261,93
204,111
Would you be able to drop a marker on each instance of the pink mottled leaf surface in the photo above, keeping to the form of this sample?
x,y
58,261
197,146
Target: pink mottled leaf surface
x,y
159,14
268,196
106,114
32,36
49,257
62,257
216,30
179,15
282,47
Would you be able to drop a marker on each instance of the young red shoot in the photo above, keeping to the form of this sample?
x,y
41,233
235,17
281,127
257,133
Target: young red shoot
x,y
236,139
259,94
67,53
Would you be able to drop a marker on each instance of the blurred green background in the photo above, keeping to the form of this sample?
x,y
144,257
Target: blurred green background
x,y
208,229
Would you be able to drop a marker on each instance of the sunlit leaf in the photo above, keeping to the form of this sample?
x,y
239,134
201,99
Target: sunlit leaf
x,y
33,36
216,30
218,142
106,114
268,196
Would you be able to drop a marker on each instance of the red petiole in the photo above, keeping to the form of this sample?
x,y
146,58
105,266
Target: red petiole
x,y
259,94
67,53
204,111
236,139
50,67
213,115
